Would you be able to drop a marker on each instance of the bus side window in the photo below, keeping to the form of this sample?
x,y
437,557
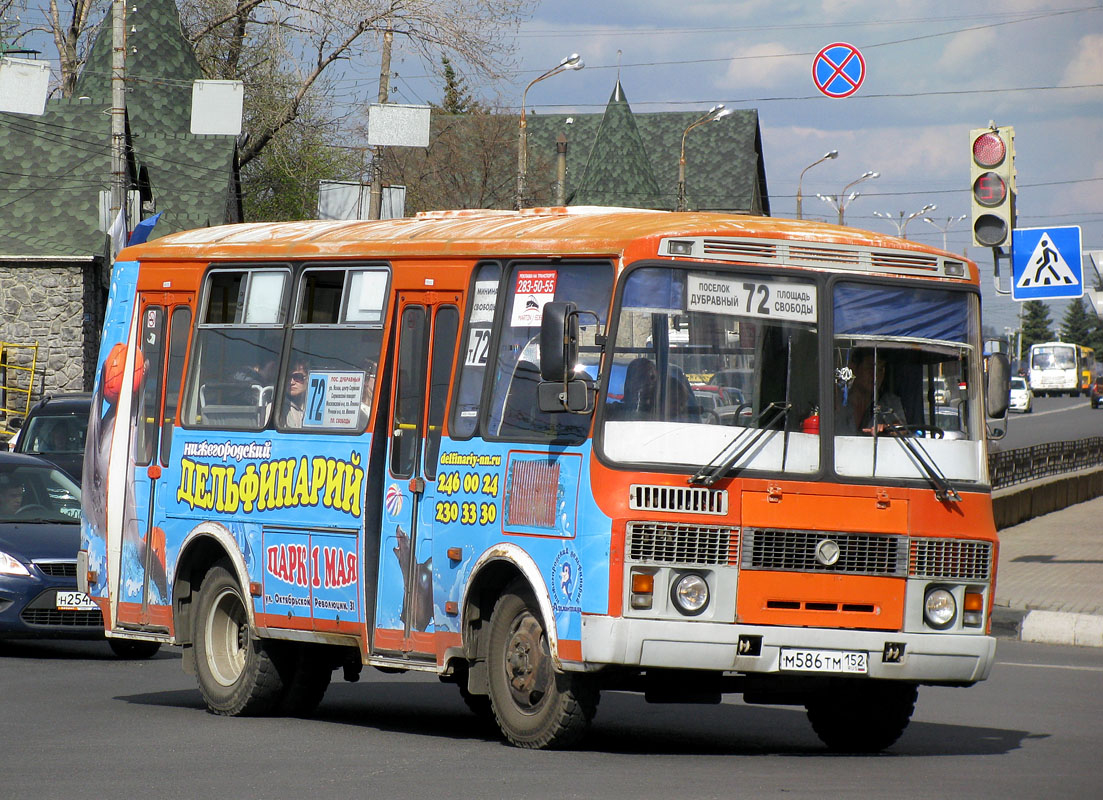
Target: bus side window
x,y
440,370
328,384
237,348
476,350
179,330
514,411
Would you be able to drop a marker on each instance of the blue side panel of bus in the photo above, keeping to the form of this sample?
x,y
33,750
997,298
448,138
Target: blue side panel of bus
x,y
101,426
293,504
550,514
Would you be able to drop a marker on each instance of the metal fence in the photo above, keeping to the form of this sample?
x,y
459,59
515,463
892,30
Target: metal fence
x,y
1053,458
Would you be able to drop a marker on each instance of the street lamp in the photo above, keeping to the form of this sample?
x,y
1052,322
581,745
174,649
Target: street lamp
x,y
571,62
945,228
714,113
902,223
831,154
839,202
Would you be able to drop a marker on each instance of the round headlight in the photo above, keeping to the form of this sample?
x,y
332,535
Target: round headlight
x,y
939,608
690,594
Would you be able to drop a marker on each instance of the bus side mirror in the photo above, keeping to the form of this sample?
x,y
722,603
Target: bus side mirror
x,y
997,385
558,341
559,389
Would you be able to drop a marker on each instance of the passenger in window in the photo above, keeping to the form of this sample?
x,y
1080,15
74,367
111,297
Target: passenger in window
x,y
855,401
261,374
680,406
11,495
295,397
641,390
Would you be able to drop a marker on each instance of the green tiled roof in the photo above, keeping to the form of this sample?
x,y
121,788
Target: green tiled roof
x,y
54,166
53,170
617,171
628,159
160,67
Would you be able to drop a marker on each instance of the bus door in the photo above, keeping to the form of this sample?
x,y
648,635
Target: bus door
x,y
426,346
143,593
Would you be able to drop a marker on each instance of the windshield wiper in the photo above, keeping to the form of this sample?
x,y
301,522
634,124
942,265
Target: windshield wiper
x,y
944,490
737,447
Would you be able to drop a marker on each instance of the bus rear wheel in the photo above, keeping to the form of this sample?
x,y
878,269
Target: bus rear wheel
x,y
237,675
860,716
536,707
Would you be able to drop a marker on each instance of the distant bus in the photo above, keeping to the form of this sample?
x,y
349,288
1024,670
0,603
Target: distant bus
x,y
469,444
1061,368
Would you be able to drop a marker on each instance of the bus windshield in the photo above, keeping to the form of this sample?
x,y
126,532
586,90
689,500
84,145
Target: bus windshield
x,y
1053,357
705,362
906,383
702,357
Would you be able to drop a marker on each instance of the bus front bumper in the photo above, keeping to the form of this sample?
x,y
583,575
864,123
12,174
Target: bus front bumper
x,y
932,658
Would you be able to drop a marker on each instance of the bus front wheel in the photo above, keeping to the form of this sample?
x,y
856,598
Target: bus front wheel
x,y
237,676
536,707
862,716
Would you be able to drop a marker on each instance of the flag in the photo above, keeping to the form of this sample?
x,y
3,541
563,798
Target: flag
x,y
143,229
117,234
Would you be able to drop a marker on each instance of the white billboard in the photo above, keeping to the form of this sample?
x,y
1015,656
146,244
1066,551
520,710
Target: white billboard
x,y
395,125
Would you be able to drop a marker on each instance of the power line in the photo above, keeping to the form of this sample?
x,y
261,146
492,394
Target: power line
x,y
921,37
790,98
611,32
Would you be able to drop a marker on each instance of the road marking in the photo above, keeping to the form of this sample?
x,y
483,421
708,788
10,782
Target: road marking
x,y
1036,413
1050,666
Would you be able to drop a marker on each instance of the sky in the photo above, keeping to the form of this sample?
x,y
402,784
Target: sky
x,y
934,70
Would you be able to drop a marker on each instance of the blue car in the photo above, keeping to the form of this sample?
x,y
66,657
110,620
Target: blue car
x,y
39,538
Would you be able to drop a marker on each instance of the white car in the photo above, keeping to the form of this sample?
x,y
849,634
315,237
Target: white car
x,y
1022,399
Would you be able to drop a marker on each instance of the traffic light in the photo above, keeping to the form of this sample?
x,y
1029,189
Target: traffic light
x,y
992,173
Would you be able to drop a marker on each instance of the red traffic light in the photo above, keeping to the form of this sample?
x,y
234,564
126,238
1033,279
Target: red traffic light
x,y
989,150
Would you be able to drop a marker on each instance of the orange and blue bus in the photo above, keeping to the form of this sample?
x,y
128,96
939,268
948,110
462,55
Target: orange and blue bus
x,y
547,453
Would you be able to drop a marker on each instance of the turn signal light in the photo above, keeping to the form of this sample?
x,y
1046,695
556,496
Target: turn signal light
x,y
643,590
973,610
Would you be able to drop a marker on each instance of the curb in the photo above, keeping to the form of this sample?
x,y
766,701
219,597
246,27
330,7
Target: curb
x,y
1048,627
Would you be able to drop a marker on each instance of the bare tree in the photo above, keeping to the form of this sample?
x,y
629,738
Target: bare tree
x,y
299,42
71,28
252,40
471,162
11,19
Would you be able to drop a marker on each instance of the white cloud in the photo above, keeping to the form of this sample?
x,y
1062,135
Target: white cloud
x,y
767,64
1086,65
965,49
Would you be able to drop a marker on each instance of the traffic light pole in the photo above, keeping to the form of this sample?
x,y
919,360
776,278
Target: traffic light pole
x,y
998,253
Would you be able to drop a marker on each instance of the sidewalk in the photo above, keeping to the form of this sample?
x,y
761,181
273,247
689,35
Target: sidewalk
x,y
1049,587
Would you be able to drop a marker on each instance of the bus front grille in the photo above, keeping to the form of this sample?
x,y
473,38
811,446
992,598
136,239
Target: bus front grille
x,y
663,543
951,559
808,551
677,499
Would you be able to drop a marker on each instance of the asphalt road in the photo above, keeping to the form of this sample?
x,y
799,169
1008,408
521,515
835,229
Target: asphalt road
x,y
1054,419
78,723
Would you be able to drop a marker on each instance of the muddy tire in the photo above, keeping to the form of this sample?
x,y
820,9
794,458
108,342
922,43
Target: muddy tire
x,y
237,675
535,706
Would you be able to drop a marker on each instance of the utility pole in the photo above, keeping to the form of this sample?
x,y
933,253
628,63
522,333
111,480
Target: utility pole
x,y
118,112
561,169
375,205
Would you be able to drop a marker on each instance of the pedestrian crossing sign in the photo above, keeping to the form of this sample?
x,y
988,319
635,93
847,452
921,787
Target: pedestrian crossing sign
x,y
1045,263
